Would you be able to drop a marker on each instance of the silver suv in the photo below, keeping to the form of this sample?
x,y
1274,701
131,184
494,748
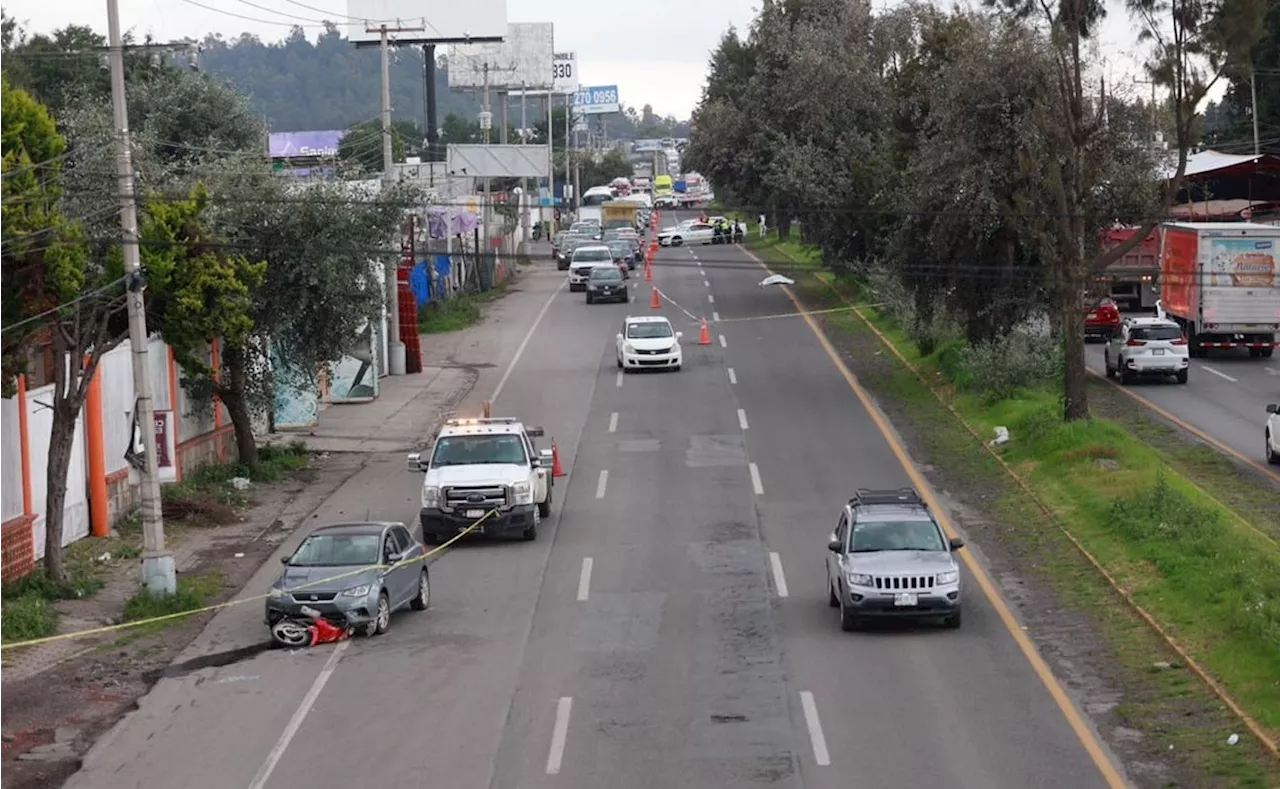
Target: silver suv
x,y
889,558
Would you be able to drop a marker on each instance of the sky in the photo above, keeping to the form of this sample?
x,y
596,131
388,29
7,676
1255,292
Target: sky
x,y
655,51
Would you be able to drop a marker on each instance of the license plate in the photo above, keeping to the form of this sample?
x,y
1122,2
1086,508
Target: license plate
x,y
1157,351
474,514
905,598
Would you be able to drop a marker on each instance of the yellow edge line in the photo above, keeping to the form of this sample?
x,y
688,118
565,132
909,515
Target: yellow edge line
x,y
1077,722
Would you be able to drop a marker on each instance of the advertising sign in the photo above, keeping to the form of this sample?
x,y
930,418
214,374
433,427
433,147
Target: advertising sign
x,y
596,100
166,446
1242,263
564,72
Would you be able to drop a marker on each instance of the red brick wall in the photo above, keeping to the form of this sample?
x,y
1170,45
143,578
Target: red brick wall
x,y
17,544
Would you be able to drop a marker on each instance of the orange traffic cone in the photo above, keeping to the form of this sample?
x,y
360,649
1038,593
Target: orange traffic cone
x,y
648,271
556,469
655,302
704,336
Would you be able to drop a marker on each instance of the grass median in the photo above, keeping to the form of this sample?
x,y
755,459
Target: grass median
x,y
1207,573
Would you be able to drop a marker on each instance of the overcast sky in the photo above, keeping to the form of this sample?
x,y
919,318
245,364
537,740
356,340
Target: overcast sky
x,y
654,50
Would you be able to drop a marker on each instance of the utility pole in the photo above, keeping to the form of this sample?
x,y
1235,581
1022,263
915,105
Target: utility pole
x,y
524,182
158,574
1253,99
486,125
502,100
551,162
568,150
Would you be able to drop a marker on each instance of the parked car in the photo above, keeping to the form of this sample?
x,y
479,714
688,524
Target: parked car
x,y
1102,319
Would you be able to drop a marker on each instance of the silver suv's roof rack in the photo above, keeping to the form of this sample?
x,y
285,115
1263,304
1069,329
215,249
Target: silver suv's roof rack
x,y
902,496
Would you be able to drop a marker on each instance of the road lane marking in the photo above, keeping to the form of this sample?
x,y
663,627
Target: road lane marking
x,y
1271,371
733,377
1074,719
497,390
559,733
742,419
779,578
1209,369
711,299
619,379
756,484
584,578
708,284
613,422
602,484
715,316
723,344
816,737
300,714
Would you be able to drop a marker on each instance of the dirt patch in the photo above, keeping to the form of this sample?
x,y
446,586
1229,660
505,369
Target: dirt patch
x,y
54,713
1161,723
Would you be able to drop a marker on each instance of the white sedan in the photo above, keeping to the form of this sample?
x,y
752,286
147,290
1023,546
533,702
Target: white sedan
x,y
649,342
696,233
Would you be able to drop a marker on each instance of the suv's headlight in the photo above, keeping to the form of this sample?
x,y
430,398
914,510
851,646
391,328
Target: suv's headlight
x,y
356,591
522,492
948,577
430,496
860,579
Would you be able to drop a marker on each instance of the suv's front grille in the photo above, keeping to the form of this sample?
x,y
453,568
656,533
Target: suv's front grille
x,y
490,496
904,582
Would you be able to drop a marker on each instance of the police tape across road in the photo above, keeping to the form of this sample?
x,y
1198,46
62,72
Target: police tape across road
x,y
794,314
239,601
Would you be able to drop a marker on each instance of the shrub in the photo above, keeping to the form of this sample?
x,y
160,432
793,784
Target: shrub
x,y
25,618
999,368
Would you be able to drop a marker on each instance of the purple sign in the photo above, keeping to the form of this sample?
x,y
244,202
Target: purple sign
x,y
306,144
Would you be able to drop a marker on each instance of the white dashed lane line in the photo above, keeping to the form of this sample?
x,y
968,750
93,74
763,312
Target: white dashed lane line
x,y
619,379
723,343
779,578
715,316
711,298
602,484
819,740
742,419
559,735
1222,375
756,484
584,578
613,422
733,377
708,284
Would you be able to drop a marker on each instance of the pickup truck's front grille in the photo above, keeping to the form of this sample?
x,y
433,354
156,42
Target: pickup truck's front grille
x,y
475,497
907,582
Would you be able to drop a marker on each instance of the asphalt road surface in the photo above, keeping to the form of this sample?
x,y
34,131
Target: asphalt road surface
x,y
1225,397
669,628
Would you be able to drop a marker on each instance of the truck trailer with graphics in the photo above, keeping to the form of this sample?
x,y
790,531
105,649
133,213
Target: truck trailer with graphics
x,y
1218,280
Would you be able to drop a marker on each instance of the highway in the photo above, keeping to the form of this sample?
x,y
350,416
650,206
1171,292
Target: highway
x,y
669,628
1225,398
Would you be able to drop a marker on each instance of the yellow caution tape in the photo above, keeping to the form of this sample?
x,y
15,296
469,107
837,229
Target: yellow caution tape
x,y
240,601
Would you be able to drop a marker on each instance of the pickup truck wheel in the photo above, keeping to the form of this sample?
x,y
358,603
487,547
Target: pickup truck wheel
x,y
531,533
544,508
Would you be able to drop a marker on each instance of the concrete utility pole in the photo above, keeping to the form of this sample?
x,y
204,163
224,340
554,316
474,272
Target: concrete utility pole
x,y
486,125
568,149
158,573
1253,103
551,162
524,182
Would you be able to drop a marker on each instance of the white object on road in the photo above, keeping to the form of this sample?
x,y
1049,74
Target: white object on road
x,y
1002,436
776,279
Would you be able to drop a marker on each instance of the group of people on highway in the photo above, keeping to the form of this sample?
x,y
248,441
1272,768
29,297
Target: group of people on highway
x,y
726,231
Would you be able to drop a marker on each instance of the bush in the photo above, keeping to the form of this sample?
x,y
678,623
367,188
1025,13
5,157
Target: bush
x,y
998,369
25,618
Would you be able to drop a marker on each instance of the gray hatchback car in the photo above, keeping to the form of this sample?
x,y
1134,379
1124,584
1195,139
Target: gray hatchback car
x,y
888,558
361,571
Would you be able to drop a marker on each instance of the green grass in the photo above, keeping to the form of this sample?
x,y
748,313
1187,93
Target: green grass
x,y
26,617
1210,580
191,593
454,314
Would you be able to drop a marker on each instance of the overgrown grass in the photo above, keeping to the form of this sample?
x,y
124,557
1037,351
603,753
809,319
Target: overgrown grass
x,y
448,315
191,593
27,612
1205,574
26,617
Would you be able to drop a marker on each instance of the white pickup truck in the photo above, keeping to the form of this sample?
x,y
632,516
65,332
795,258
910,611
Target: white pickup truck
x,y
481,465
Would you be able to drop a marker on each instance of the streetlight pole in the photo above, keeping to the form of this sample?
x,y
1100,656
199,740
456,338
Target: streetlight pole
x,y
158,572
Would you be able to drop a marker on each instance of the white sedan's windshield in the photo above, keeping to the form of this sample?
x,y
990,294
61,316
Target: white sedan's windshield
x,y
648,331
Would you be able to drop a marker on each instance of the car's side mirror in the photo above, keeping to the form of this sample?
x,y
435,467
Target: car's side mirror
x,y
1273,408
956,543
679,334
833,542
285,559
619,337
414,461
394,557
546,457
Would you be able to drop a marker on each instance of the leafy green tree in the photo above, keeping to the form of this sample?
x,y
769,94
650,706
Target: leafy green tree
x,y
362,144
558,137
613,164
458,130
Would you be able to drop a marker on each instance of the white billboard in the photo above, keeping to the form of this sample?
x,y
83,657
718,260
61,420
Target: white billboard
x,y
498,161
426,21
564,70
523,60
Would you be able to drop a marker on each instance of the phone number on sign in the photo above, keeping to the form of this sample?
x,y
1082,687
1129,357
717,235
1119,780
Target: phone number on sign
x,y
594,96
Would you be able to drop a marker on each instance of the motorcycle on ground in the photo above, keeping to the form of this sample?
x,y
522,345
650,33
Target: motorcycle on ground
x,y
310,628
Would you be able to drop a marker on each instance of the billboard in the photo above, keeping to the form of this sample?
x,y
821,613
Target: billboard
x,y
305,144
426,21
596,100
498,161
564,70
522,60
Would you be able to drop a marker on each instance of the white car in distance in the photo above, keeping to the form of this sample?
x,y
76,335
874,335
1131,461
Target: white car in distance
x,y
648,342
695,233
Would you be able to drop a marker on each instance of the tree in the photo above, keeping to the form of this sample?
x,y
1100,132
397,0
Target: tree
x,y
611,165
558,137
1192,44
324,247
1235,125
457,130
362,144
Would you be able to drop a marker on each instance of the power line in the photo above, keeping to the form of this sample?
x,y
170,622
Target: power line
x,y
248,18
83,297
